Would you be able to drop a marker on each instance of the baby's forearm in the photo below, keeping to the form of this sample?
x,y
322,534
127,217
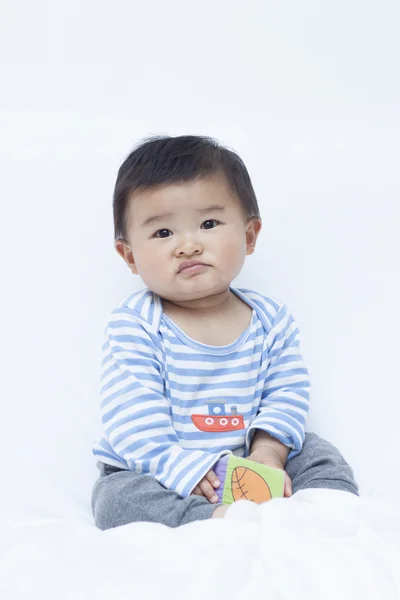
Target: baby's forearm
x,y
264,442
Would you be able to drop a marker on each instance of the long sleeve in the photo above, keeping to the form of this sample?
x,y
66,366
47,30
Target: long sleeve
x,y
285,397
136,414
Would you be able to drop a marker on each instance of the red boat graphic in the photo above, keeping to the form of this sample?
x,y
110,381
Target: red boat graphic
x,y
215,421
227,423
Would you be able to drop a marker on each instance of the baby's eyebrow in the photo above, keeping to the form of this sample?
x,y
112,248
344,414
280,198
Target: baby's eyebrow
x,y
171,214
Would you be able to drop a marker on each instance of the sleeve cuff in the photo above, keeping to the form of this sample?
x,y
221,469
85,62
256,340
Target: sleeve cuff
x,y
184,489
281,436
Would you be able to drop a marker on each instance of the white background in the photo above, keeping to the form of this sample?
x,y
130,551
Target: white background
x,y
307,93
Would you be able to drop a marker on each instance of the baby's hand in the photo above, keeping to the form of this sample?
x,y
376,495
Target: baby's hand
x,y
265,456
206,487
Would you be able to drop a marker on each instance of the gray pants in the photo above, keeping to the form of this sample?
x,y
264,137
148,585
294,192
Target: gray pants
x,y
121,496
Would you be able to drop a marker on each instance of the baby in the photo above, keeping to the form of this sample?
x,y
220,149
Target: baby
x,y
195,371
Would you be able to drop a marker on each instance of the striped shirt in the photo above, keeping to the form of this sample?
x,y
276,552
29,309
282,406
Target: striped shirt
x,y
172,407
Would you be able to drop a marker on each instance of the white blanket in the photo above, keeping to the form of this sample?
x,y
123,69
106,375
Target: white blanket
x,y
319,544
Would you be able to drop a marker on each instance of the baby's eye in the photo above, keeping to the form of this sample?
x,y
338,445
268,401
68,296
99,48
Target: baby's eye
x,y
160,231
210,221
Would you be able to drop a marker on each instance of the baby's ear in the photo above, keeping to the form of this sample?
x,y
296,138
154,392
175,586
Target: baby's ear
x,y
253,228
124,250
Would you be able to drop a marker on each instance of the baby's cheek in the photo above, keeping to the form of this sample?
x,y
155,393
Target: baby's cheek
x,y
233,252
151,262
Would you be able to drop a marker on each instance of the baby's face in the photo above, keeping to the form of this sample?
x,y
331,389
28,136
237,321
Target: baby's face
x,y
200,220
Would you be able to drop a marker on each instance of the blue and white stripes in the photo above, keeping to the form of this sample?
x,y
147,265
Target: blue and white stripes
x,y
285,397
157,384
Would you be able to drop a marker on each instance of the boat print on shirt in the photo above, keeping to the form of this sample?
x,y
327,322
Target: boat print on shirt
x,y
217,418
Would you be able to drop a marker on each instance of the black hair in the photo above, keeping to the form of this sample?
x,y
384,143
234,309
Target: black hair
x,y
164,159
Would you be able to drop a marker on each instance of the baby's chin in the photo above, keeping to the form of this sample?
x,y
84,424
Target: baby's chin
x,y
179,295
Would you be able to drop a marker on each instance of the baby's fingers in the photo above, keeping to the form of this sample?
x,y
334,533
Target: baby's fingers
x,y
197,491
213,479
288,486
208,490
